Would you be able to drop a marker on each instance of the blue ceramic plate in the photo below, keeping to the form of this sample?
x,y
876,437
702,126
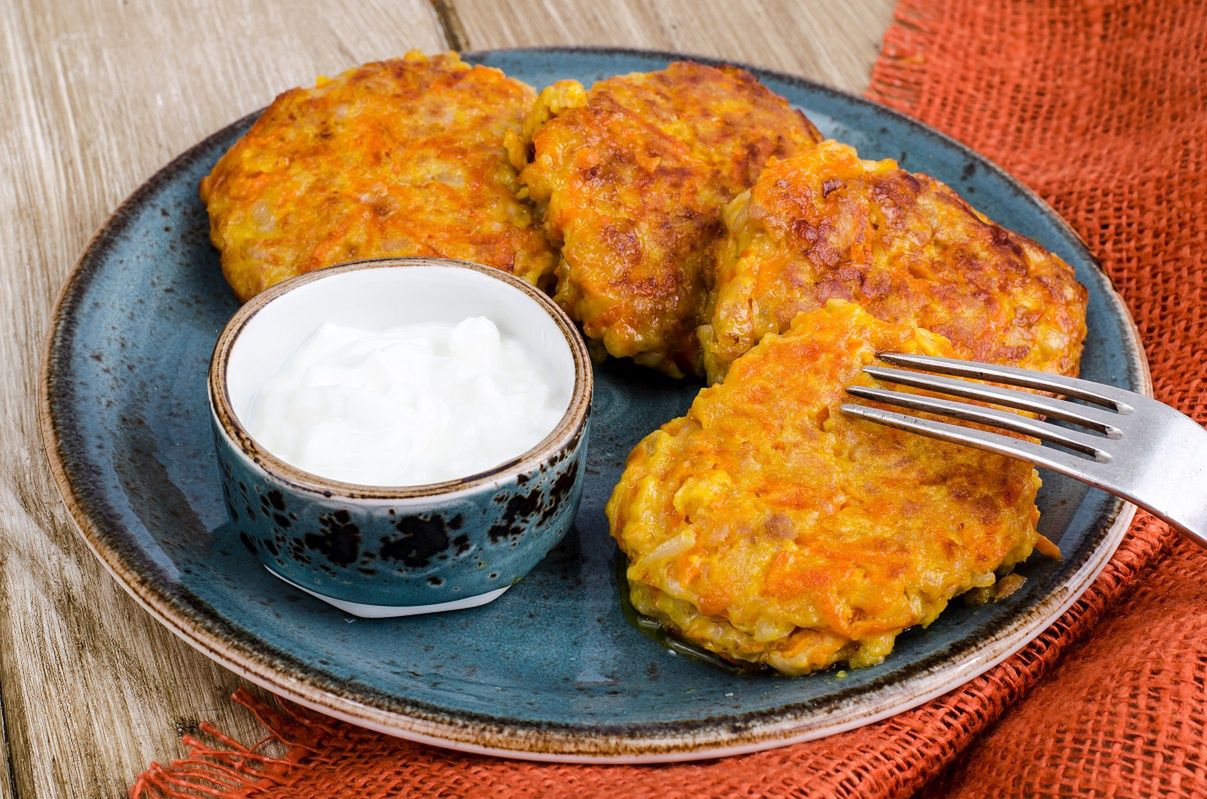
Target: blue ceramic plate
x,y
552,670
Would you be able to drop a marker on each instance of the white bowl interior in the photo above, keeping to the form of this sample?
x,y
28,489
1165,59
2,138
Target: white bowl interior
x,y
377,298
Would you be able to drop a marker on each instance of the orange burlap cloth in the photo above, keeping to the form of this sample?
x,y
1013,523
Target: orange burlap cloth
x,y
1101,107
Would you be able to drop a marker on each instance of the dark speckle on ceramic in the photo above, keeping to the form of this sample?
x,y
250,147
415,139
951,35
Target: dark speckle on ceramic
x,y
404,547
551,669
379,546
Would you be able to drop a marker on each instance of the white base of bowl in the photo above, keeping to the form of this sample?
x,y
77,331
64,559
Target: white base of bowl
x,y
392,611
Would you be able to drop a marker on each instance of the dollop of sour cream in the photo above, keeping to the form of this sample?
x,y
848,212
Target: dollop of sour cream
x,y
414,404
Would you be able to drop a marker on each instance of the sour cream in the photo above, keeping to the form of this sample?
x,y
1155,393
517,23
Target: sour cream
x,y
414,404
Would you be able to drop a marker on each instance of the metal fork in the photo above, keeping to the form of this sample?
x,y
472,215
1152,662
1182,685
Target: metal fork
x,y
1140,449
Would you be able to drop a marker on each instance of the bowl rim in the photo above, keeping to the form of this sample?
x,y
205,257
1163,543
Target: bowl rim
x,y
568,427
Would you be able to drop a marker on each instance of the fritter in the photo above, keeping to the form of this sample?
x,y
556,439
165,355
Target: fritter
x,y
396,158
630,178
904,246
769,527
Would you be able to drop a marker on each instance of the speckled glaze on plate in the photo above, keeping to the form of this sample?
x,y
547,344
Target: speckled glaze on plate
x,y
552,670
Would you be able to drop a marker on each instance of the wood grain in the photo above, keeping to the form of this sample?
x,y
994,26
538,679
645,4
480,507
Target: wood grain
x,y
834,43
6,762
95,95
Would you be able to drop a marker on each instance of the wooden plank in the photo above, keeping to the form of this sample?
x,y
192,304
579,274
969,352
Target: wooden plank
x,y
7,765
94,96
834,43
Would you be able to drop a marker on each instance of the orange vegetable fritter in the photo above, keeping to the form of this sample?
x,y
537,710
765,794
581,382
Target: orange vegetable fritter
x,y
904,246
630,178
769,527
397,158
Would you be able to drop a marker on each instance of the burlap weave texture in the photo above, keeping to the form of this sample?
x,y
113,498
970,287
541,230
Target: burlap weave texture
x,y
1101,107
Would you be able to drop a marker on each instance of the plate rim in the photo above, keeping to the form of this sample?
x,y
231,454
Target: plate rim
x,y
535,740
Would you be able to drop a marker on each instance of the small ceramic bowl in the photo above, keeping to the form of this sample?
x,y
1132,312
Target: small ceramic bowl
x,y
375,551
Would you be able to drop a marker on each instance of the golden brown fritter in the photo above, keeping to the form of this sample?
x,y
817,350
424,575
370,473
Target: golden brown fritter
x,y
769,527
396,158
904,246
630,178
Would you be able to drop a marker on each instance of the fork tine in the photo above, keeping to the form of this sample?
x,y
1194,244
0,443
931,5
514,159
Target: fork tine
x,y
1111,397
1090,445
1097,418
1054,459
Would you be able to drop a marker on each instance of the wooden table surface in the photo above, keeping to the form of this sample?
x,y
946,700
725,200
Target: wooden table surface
x,y
95,95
